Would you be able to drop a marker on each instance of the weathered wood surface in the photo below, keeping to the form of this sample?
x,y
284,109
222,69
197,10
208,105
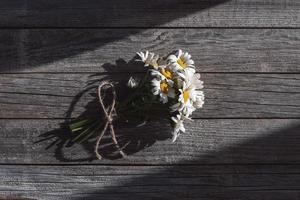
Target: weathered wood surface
x,y
87,50
227,95
141,13
244,144
146,182
214,141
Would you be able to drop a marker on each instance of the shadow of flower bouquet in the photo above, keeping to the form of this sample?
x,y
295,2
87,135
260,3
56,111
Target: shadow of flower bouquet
x,y
138,108
168,91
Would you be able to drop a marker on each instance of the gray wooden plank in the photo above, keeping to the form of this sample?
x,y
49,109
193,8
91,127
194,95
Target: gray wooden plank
x,y
146,182
92,50
227,95
142,13
213,141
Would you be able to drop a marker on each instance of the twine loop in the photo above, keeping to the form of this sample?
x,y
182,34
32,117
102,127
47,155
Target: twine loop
x,y
109,113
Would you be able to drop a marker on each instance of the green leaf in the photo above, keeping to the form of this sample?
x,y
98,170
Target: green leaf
x,y
84,132
91,133
80,124
88,131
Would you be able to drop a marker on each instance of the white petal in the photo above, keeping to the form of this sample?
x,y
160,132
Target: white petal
x,y
172,58
174,137
179,53
182,129
164,98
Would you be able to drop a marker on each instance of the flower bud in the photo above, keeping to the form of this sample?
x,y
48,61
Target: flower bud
x,y
132,82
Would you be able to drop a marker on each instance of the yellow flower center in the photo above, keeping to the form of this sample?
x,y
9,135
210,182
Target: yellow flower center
x,y
164,87
186,95
181,63
168,74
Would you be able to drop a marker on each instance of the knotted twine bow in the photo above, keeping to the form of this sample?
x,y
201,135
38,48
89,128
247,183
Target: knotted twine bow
x,y
108,112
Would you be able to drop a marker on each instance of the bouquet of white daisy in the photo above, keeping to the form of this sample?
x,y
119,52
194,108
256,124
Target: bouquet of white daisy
x,y
170,88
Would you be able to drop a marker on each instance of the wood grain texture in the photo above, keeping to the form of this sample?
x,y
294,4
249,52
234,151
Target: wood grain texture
x,y
142,13
141,182
227,95
214,141
243,145
90,50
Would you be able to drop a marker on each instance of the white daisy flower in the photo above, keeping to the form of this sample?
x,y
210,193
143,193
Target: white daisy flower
x,y
181,61
149,58
178,126
192,78
189,99
198,103
163,89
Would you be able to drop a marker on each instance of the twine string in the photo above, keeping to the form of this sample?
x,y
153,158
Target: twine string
x,y
108,113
